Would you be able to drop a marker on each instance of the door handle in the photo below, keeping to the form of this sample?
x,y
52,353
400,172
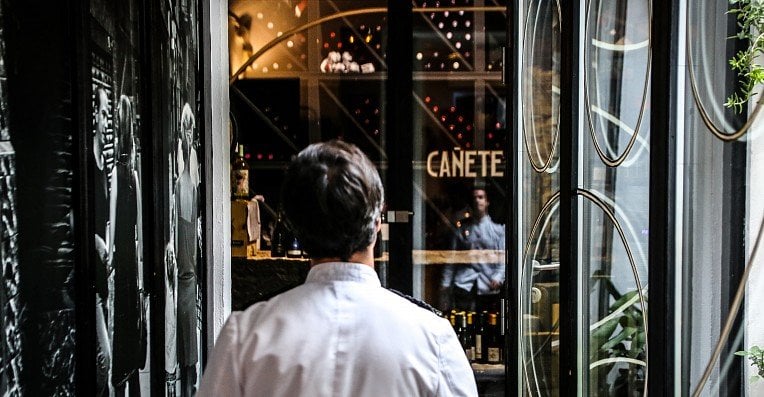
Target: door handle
x,y
399,216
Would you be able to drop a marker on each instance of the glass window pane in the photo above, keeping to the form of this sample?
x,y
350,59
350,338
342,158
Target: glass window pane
x,y
460,198
615,195
539,294
706,250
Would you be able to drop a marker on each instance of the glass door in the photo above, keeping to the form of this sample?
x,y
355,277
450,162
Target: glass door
x,y
601,152
460,196
301,72
539,176
304,72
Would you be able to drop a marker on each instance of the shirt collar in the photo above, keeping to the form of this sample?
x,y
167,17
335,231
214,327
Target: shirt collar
x,y
342,271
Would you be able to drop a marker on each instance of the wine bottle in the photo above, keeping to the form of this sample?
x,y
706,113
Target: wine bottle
x,y
294,250
481,352
469,344
279,237
494,341
240,176
460,328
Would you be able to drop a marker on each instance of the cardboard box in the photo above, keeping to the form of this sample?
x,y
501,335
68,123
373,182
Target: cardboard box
x,y
241,246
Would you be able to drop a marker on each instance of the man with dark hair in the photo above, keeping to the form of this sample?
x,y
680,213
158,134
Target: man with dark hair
x,y
476,285
340,333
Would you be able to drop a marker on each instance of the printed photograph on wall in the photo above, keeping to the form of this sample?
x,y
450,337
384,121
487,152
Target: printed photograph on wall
x,y
180,128
121,301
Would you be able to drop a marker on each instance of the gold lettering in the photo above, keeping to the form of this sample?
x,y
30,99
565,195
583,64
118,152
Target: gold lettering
x,y
429,164
496,156
468,162
444,168
483,161
457,162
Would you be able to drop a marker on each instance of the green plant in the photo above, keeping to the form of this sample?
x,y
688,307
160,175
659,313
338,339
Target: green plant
x,y
622,337
750,22
756,355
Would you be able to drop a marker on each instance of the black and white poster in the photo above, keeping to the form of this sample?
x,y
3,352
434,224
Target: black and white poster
x,y
178,110
121,301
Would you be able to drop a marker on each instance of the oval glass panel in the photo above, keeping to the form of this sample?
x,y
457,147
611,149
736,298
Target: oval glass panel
x,y
710,76
616,295
616,73
541,82
540,304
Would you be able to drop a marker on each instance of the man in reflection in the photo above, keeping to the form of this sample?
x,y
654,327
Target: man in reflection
x,y
475,286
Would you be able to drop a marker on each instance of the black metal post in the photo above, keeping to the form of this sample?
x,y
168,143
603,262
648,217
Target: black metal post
x,y
513,283
569,134
398,145
662,248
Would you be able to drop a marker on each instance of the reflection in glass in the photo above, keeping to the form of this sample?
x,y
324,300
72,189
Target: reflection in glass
x,y
541,82
459,131
540,304
615,216
540,276
445,40
707,258
616,70
353,44
710,77
617,297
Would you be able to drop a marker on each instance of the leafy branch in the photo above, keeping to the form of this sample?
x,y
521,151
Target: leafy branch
x,y
750,22
756,355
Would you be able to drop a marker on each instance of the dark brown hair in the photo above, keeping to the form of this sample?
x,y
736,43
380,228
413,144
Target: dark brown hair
x,y
332,197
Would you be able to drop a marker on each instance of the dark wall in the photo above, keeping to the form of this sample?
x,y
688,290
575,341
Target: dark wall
x,y
39,75
54,56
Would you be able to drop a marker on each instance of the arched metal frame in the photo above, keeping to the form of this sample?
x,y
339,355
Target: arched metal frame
x,y
604,156
719,132
546,165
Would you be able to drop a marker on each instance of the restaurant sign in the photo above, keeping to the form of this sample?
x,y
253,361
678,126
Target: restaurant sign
x,y
460,163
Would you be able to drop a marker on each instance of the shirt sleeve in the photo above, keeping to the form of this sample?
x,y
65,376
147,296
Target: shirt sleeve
x,y
221,376
456,377
448,276
498,275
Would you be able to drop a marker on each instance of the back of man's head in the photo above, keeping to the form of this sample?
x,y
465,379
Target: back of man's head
x,y
332,198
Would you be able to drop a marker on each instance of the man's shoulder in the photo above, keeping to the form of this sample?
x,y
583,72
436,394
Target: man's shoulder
x,y
417,302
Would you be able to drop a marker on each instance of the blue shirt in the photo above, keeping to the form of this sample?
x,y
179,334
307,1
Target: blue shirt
x,y
474,235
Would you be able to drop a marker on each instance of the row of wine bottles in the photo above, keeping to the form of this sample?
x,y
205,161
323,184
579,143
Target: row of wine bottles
x,y
479,336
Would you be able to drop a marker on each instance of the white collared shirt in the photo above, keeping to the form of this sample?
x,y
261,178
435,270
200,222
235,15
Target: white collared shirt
x,y
339,334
